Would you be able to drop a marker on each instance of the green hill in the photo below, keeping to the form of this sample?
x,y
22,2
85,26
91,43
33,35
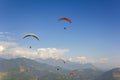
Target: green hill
x,y
26,69
113,74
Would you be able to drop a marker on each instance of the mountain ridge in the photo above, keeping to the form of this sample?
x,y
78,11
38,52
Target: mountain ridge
x,y
27,69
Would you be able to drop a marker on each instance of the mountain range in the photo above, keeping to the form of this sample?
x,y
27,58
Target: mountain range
x,y
67,65
27,69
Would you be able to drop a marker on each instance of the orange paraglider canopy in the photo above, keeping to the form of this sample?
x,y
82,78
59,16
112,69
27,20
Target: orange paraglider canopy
x,y
66,19
60,59
73,74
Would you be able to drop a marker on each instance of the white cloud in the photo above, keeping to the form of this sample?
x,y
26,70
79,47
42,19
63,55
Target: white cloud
x,y
1,48
51,52
8,44
83,60
103,60
4,33
2,36
80,59
12,50
6,36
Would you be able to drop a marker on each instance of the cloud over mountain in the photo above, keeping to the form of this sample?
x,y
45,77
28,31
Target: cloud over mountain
x,y
13,50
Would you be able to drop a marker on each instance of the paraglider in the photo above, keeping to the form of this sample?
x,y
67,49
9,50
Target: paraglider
x,y
60,60
65,28
65,19
31,35
73,74
58,68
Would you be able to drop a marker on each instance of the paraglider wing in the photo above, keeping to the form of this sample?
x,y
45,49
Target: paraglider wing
x,y
33,35
72,74
62,61
59,59
66,19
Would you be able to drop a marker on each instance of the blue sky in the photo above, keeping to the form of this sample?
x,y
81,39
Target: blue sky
x,y
94,32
